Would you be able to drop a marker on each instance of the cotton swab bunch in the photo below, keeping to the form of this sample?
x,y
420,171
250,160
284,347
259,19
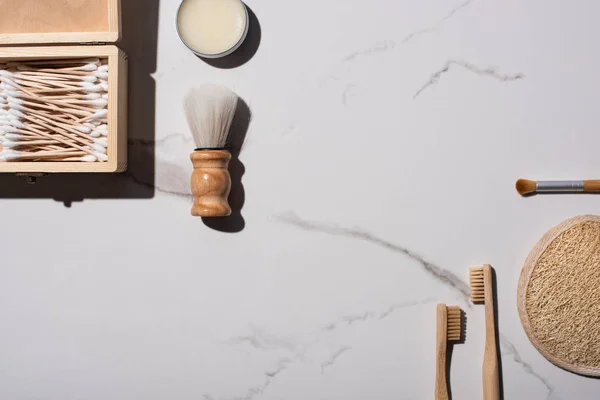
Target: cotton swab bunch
x,y
54,110
32,130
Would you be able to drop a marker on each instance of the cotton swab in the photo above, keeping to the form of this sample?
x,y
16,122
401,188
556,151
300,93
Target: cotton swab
x,y
84,87
20,140
69,144
89,96
65,130
13,155
29,133
39,82
97,116
76,104
54,110
48,76
45,76
22,105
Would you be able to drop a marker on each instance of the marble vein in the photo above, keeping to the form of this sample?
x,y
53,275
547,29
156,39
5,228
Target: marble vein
x,y
334,357
323,82
373,315
397,307
263,341
270,376
347,92
511,350
438,24
350,319
386,45
442,275
488,72
379,47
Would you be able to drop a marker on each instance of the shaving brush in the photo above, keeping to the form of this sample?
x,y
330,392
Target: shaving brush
x,y
210,110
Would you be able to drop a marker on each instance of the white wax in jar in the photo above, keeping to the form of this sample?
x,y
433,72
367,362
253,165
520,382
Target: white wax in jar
x,y
212,26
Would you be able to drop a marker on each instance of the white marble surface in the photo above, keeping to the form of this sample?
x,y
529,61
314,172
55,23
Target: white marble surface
x,y
380,162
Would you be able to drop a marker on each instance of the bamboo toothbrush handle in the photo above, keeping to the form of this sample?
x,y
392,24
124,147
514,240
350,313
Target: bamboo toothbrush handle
x,y
591,186
441,386
491,375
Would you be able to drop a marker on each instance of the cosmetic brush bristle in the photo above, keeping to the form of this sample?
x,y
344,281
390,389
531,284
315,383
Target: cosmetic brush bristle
x,y
525,187
476,281
210,110
455,325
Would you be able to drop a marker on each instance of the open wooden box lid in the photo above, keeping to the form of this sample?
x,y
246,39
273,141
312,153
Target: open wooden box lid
x,y
24,22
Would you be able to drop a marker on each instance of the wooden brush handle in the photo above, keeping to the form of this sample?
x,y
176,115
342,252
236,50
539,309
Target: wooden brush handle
x,y
211,183
591,186
491,375
441,385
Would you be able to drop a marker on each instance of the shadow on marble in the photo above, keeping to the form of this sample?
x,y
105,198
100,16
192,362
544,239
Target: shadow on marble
x,y
140,38
239,128
450,350
497,316
246,51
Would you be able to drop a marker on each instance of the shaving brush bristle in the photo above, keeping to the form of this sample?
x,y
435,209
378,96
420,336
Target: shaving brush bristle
x,y
210,110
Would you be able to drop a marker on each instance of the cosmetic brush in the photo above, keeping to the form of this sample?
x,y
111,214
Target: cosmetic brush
x,y
449,329
482,291
210,110
526,187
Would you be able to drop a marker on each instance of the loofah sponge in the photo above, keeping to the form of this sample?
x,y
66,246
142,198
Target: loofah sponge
x,y
559,295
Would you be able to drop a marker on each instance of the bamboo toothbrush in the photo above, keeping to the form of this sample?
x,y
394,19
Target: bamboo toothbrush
x,y
482,291
527,187
449,328
210,110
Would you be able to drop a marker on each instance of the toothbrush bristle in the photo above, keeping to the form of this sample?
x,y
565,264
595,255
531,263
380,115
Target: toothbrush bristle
x,y
476,282
455,325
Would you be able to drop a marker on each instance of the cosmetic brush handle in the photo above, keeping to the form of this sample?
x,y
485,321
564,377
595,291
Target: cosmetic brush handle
x,y
568,186
211,183
441,386
491,374
591,186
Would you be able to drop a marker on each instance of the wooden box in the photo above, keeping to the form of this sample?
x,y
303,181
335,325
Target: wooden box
x,y
74,29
